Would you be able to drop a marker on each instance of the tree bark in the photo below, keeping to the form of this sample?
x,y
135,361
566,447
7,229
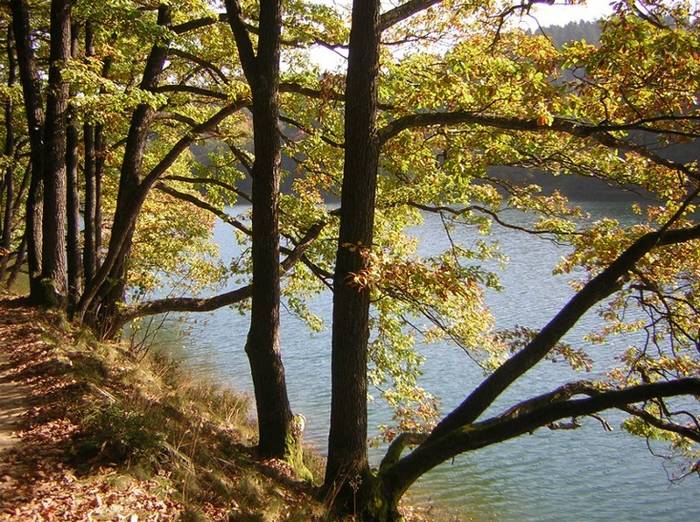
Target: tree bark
x,y
73,198
6,236
31,89
54,269
89,227
263,345
347,441
100,159
396,479
106,288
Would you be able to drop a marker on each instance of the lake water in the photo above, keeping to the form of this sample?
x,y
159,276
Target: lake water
x,y
584,474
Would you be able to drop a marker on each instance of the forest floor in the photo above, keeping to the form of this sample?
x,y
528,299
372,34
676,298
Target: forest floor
x,y
12,402
93,431
87,432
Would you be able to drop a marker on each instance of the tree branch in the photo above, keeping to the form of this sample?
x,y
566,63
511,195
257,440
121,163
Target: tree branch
x,y
191,25
593,292
243,43
192,89
199,61
187,140
673,427
210,181
194,200
598,133
398,445
494,215
403,11
207,304
478,435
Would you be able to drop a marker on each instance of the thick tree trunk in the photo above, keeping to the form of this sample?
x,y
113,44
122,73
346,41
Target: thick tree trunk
x,y
54,270
347,441
262,346
32,104
73,199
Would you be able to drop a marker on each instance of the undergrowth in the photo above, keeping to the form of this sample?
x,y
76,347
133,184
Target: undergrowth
x,y
148,418
117,433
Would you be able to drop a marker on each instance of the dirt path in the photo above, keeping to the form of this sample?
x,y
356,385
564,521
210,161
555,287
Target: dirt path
x,y
13,395
13,398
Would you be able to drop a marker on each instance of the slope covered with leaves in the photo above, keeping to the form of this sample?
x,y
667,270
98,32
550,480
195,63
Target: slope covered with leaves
x,y
107,437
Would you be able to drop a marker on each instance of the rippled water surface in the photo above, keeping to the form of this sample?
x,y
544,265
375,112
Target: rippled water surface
x,y
585,474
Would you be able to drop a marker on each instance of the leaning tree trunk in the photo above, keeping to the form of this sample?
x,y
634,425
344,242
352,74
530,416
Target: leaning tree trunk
x,y
31,90
21,251
19,261
347,440
54,269
105,290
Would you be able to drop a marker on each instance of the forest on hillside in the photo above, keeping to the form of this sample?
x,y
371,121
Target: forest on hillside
x,y
105,199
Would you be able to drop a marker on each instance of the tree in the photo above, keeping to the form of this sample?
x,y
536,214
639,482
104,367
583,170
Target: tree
x,y
436,93
262,72
107,280
35,120
462,430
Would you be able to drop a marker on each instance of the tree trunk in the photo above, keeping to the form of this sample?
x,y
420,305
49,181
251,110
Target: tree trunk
x,y
54,220
89,173
89,251
100,159
73,199
6,237
100,152
347,441
263,345
94,166
19,261
108,282
32,104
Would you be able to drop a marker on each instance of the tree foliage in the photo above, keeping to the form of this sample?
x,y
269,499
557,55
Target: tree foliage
x,y
456,90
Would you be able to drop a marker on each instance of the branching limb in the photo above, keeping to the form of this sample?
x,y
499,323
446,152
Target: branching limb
x,y
210,181
470,436
194,200
192,89
494,215
207,304
680,429
599,133
199,61
597,289
403,11
244,44
399,444
187,140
